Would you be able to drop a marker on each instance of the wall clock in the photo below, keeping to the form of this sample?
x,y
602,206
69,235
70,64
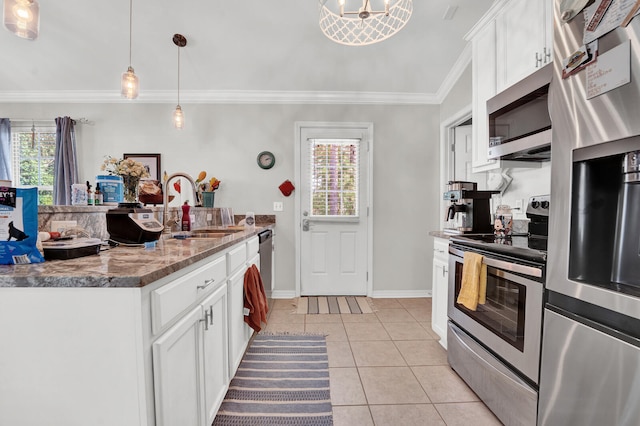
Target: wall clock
x,y
266,160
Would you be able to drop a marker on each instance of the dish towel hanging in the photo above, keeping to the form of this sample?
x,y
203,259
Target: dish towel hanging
x,y
255,299
473,290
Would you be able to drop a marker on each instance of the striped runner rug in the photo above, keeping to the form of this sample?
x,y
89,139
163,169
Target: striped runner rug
x,y
282,380
334,305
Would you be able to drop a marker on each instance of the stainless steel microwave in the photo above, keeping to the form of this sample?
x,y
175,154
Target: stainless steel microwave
x,y
519,121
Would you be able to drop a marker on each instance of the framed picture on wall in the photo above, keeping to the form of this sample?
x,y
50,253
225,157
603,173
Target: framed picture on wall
x,y
151,163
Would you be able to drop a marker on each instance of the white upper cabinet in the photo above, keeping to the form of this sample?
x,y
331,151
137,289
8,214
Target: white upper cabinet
x,y
524,34
483,48
504,47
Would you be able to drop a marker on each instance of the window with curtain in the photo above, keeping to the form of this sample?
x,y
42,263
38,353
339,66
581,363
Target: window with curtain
x,y
335,171
33,147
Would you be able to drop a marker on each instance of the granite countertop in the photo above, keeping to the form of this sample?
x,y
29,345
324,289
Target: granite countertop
x,y
440,234
121,266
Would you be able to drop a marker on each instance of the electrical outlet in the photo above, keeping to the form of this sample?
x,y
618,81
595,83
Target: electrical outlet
x,y
278,206
209,217
61,225
519,204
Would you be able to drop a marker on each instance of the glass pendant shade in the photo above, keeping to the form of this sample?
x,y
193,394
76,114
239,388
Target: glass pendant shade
x,y
22,17
178,118
130,85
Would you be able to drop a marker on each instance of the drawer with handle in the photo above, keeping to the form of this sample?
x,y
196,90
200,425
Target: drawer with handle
x,y
441,249
170,300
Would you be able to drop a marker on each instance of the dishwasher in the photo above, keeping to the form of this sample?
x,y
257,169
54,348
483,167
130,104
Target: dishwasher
x,y
266,257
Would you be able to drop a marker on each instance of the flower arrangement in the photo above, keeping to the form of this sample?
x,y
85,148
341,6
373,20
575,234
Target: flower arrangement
x,y
124,167
203,187
131,172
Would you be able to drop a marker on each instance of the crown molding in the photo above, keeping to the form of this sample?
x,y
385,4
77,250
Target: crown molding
x,y
454,75
489,16
223,97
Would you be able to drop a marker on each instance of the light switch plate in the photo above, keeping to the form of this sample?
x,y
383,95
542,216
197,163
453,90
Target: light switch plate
x,y
519,204
278,206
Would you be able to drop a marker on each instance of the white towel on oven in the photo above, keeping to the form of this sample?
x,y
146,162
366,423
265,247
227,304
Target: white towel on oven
x,y
473,290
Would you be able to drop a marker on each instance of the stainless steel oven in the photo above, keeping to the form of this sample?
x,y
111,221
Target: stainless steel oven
x,y
496,349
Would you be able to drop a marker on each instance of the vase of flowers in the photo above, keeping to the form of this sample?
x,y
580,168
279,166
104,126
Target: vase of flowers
x,y
204,190
131,172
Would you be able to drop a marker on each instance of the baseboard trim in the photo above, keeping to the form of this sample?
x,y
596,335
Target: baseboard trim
x,y
283,294
400,294
380,294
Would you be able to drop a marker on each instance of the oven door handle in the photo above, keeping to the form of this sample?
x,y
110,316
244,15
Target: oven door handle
x,y
502,265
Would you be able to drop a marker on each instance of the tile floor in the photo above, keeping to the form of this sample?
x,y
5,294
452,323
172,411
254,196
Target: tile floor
x,y
387,368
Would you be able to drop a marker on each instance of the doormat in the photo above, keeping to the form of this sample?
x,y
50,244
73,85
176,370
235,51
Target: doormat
x,y
283,379
334,305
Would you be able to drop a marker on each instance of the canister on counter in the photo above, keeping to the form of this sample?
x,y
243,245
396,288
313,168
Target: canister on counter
x,y
503,221
79,195
111,188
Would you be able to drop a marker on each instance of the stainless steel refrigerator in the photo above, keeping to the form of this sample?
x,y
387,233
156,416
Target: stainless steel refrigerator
x,y
590,368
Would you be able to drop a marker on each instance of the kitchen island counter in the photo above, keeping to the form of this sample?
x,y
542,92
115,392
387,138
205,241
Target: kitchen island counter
x,y
121,266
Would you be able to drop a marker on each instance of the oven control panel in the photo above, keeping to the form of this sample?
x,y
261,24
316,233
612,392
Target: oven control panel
x,y
538,206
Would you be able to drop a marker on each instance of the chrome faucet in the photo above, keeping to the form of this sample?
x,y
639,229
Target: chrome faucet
x,y
165,198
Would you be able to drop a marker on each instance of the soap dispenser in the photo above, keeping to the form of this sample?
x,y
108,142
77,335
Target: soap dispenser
x,y
186,218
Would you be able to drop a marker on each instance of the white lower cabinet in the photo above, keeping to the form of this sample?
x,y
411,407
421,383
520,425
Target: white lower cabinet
x,y
440,291
190,365
159,355
239,331
177,359
214,342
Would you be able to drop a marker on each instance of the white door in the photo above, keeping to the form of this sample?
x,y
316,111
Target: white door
x,y
334,200
463,153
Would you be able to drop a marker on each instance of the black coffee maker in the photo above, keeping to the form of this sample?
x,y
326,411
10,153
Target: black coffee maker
x,y
130,223
469,211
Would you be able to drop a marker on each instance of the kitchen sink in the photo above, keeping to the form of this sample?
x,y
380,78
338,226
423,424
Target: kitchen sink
x,y
213,232
206,233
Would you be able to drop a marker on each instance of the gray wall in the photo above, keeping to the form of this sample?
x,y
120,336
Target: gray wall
x,y
458,97
224,140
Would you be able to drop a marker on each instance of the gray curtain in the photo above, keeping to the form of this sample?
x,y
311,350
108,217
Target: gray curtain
x,y
65,166
5,149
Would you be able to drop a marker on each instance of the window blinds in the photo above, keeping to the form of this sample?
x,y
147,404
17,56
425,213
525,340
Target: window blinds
x,y
334,177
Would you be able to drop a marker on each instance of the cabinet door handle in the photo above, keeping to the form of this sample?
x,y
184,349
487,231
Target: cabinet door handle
x,y
206,321
210,314
547,55
538,60
207,283
438,250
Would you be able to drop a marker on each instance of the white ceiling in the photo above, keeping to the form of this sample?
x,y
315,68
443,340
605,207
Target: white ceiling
x,y
235,47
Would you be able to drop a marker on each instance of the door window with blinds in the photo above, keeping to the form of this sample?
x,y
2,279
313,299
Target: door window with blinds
x,y
335,172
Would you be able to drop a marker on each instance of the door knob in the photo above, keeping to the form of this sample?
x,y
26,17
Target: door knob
x,y
305,225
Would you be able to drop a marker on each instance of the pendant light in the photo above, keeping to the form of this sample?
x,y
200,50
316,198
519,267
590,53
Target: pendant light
x,y
129,86
372,22
22,17
178,116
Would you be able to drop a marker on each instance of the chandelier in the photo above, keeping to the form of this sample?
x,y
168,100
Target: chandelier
x,y
365,25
